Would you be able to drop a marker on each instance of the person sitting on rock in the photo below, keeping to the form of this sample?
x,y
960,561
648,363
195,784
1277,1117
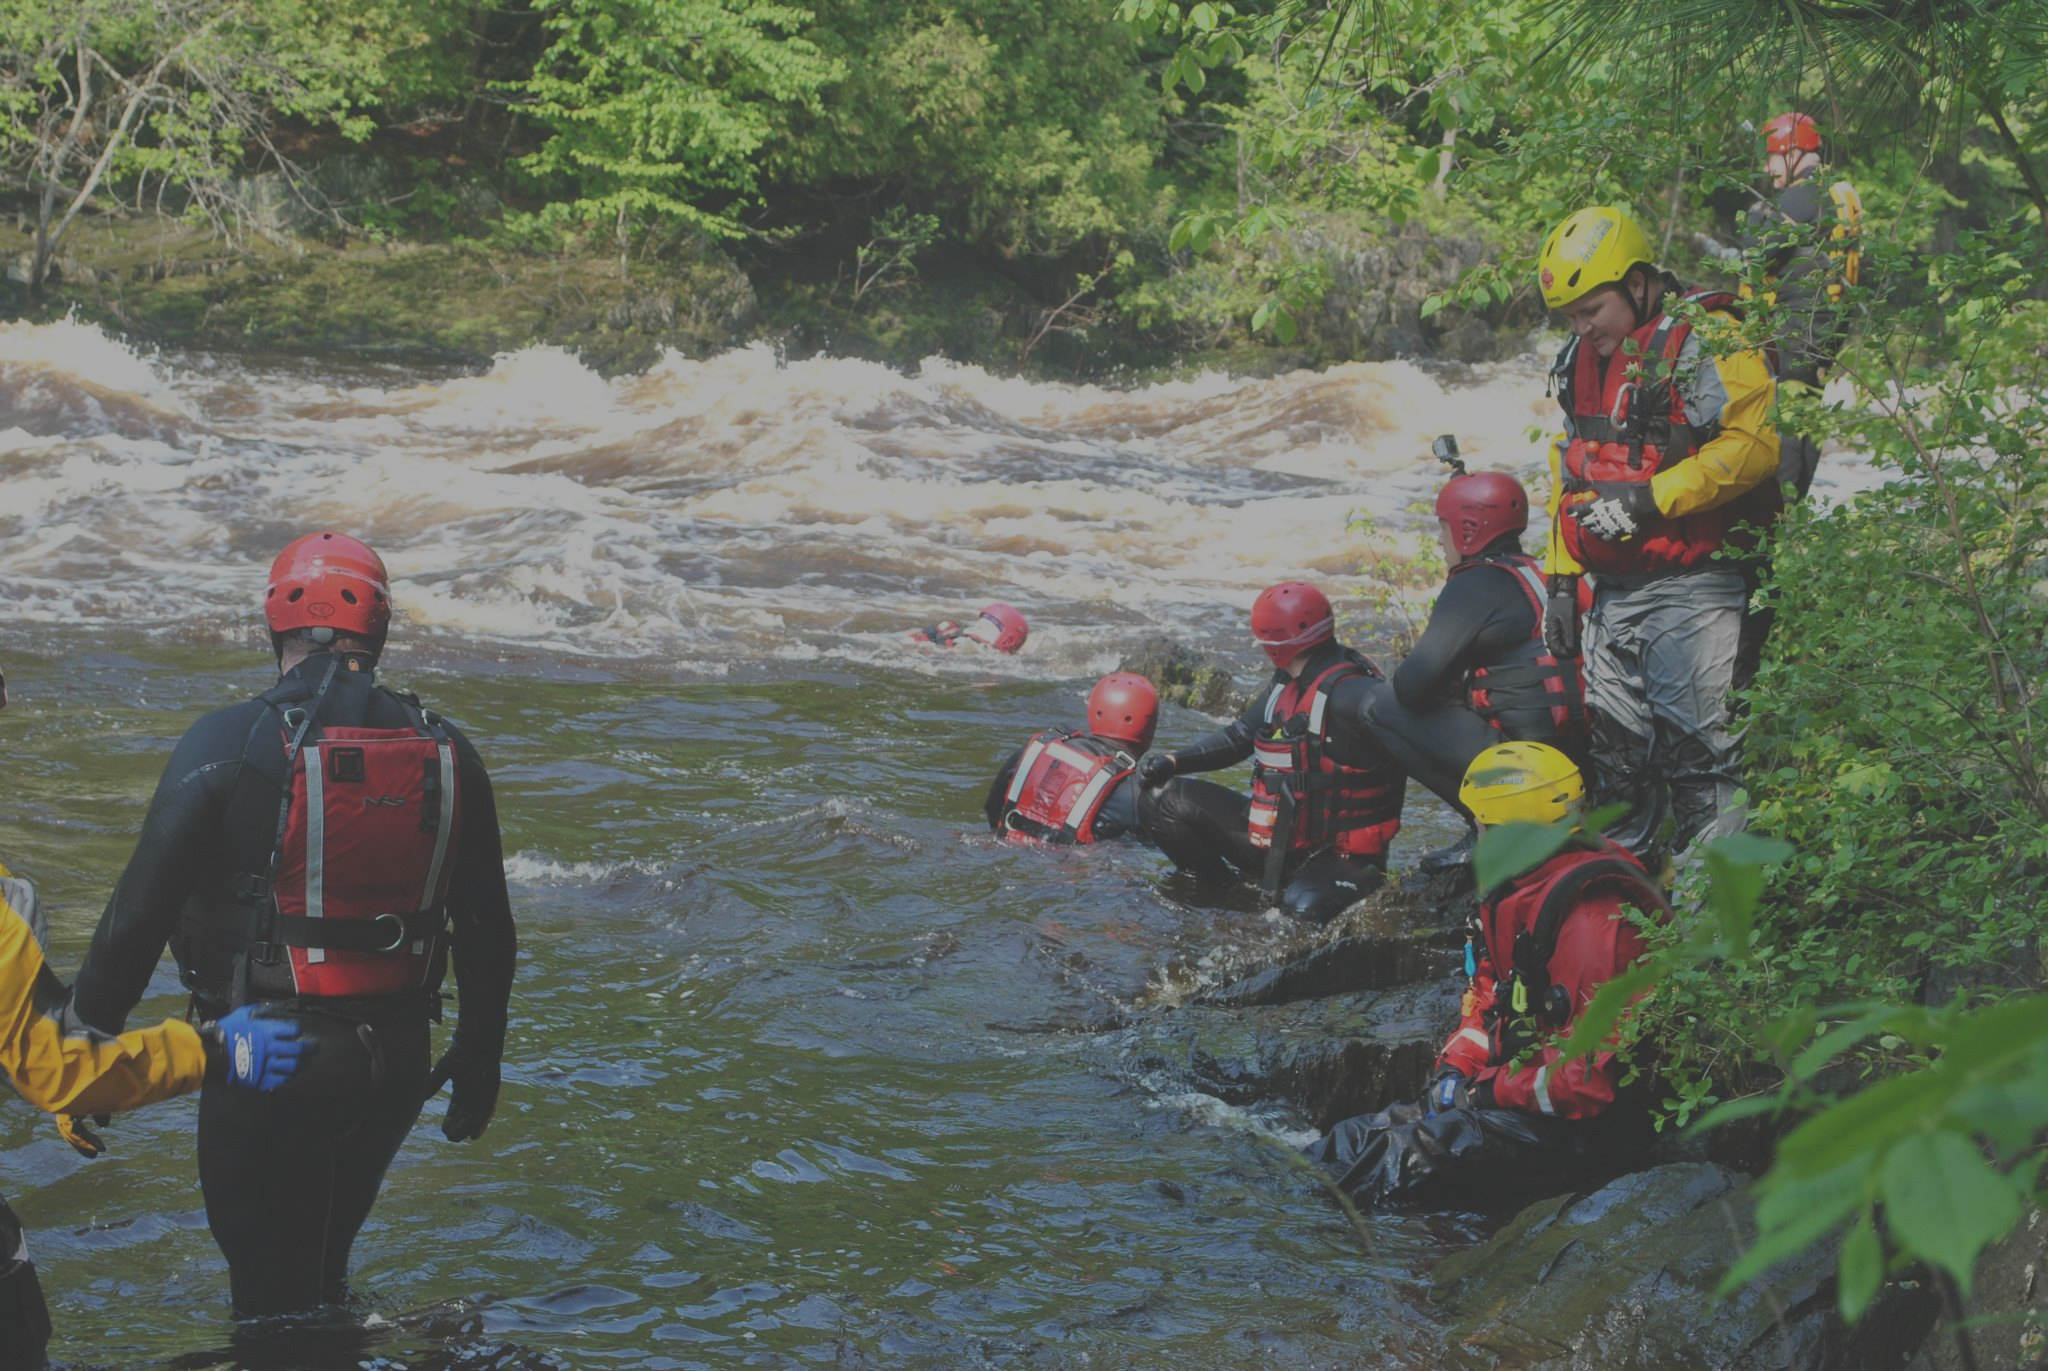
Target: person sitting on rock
x,y
1074,785
1542,945
998,626
1480,674
1326,799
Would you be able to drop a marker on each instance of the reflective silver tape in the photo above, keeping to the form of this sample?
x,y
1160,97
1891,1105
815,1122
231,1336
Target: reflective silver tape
x,y
316,843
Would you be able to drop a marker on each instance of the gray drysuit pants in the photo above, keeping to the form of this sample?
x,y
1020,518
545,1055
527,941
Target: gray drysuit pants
x,y
1660,660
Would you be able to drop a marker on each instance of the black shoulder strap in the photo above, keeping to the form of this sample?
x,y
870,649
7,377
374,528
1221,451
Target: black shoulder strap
x,y
1534,950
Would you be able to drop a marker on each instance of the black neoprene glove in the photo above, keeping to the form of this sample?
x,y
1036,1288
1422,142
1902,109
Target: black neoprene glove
x,y
1155,769
475,1097
1561,617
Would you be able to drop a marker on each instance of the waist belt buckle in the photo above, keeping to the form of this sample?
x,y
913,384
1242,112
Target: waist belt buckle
x,y
398,938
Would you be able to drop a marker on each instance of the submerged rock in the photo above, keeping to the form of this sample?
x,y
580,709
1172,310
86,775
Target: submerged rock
x,y
1623,1277
1330,1058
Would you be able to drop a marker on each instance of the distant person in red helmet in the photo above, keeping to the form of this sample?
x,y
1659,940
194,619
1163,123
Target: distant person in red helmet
x,y
999,627
1800,242
321,848
1074,785
1480,674
1800,249
1326,798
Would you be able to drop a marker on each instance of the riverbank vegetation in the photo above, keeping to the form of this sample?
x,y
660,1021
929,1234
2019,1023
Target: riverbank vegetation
x,y
1075,186
1069,186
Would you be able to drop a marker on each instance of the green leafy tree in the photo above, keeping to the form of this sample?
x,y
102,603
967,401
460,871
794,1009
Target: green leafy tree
x,y
184,95
669,110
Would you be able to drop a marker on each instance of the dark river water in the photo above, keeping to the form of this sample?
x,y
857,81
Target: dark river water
x,y
805,1069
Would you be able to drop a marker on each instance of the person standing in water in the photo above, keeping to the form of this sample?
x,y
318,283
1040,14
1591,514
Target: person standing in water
x,y
323,848
1076,785
59,1065
1326,799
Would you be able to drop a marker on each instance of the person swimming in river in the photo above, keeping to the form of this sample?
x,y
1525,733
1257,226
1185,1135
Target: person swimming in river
x,y
1326,798
1069,786
998,626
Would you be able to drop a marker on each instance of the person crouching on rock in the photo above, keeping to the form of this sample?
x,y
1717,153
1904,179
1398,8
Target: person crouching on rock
x,y
1074,785
1326,798
999,626
1543,944
1481,673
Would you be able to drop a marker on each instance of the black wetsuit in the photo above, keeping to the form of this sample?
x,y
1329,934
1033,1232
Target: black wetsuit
x,y
289,1177
1421,716
1118,817
1205,828
1789,238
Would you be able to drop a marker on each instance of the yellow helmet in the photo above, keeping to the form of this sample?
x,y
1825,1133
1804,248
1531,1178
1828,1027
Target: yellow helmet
x,y
1521,783
1593,248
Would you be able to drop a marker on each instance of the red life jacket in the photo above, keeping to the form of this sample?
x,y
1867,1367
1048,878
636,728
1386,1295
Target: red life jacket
x,y
1519,928
1354,809
1629,422
1062,782
1529,683
366,841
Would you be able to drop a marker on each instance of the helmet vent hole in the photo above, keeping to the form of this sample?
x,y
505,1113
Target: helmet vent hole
x,y
1574,278
349,595
298,592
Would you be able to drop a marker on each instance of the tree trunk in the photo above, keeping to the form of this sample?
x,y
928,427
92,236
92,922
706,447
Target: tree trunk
x,y
2020,159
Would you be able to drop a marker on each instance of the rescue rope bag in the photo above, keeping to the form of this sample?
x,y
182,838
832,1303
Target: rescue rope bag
x,y
355,900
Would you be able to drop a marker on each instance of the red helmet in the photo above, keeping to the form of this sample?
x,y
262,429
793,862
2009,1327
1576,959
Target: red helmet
x,y
1290,618
1479,507
1793,130
1000,627
1125,709
329,580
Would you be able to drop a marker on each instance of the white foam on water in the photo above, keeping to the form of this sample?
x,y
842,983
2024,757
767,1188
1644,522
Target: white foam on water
x,y
734,509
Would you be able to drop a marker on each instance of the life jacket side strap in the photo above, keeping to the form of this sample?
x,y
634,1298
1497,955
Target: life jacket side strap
x,y
1082,815
1024,765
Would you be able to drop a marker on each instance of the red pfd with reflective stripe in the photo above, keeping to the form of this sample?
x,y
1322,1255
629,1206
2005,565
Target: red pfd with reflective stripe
x,y
1529,684
1628,423
1062,782
1537,961
367,841
1354,809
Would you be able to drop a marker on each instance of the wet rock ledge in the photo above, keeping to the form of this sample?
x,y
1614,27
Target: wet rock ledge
x,y
1611,1275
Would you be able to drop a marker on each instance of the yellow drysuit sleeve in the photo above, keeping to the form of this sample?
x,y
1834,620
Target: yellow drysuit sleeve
x,y
65,1067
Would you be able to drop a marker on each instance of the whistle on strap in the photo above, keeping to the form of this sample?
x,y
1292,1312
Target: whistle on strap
x,y
1518,998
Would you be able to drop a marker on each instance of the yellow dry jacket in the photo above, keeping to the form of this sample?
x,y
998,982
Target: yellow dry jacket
x,y
1733,395
59,1064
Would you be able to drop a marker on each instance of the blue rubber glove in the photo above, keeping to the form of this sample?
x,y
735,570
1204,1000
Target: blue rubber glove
x,y
258,1048
1447,1092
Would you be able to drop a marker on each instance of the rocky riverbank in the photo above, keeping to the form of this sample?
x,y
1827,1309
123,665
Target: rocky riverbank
x,y
292,288
1614,1270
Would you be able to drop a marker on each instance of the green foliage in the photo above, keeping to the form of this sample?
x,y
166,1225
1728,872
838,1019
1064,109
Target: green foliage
x,y
668,109
1025,126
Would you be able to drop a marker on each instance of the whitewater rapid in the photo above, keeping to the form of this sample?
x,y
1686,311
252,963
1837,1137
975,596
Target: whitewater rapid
x,y
710,512
729,511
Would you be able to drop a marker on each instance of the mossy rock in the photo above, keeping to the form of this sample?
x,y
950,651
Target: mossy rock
x,y
1186,677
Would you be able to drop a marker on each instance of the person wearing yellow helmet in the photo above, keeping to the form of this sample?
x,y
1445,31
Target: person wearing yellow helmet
x,y
1539,947
1664,465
